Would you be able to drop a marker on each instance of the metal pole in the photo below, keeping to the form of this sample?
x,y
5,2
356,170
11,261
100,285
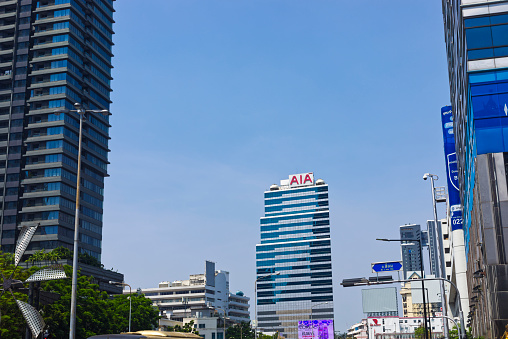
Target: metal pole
x,y
423,291
224,322
130,306
439,258
312,309
428,299
449,318
28,333
72,330
130,298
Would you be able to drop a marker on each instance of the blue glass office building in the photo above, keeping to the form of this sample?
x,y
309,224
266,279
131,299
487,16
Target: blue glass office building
x,y
476,34
293,260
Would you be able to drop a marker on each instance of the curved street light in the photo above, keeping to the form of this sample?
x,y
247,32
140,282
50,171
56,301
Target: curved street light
x,y
130,298
223,311
438,239
312,307
81,112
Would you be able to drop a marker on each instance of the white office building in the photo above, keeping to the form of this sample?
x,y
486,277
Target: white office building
x,y
358,331
204,295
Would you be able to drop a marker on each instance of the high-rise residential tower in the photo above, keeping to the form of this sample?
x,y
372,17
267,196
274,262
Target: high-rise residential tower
x,y
53,53
410,250
293,260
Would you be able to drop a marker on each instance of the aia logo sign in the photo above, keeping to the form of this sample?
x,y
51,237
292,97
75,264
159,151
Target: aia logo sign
x,y
302,179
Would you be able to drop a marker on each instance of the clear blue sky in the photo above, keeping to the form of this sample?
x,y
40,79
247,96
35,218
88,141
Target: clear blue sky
x,y
216,100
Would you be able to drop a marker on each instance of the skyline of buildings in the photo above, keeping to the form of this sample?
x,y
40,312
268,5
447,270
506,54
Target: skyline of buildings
x,y
293,260
53,54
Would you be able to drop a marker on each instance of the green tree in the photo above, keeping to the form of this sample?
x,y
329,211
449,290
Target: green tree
x,y
454,334
144,315
240,331
96,313
187,328
37,256
266,336
93,311
420,333
63,253
12,323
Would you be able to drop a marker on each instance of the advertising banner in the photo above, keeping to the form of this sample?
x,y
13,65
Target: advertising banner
x,y
315,329
375,300
451,169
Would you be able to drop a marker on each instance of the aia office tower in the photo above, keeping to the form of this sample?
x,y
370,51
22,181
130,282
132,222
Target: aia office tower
x,y
293,260
476,34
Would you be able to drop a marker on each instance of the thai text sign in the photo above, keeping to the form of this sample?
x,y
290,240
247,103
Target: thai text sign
x,y
386,266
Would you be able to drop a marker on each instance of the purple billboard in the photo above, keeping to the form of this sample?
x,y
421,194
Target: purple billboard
x,y
315,329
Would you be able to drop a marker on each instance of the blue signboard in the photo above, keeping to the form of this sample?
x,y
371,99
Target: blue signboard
x,y
452,172
386,266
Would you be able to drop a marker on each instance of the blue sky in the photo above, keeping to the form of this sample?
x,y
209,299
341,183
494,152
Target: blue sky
x,y
214,101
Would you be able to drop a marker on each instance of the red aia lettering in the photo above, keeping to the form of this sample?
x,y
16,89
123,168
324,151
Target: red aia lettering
x,y
294,179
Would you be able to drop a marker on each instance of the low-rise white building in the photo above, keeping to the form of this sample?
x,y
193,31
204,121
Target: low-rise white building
x,y
201,296
208,327
359,330
378,326
409,325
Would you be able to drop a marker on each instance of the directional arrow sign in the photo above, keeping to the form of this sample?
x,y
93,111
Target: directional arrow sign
x,y
386,266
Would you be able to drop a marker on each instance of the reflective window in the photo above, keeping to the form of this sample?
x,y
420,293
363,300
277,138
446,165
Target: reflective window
x,y
500,35
479,37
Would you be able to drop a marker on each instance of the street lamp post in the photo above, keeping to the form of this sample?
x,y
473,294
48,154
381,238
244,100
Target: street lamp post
x,y
224,311
423,285
312,307
430,307
130,298
81,112
256,299
439,262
